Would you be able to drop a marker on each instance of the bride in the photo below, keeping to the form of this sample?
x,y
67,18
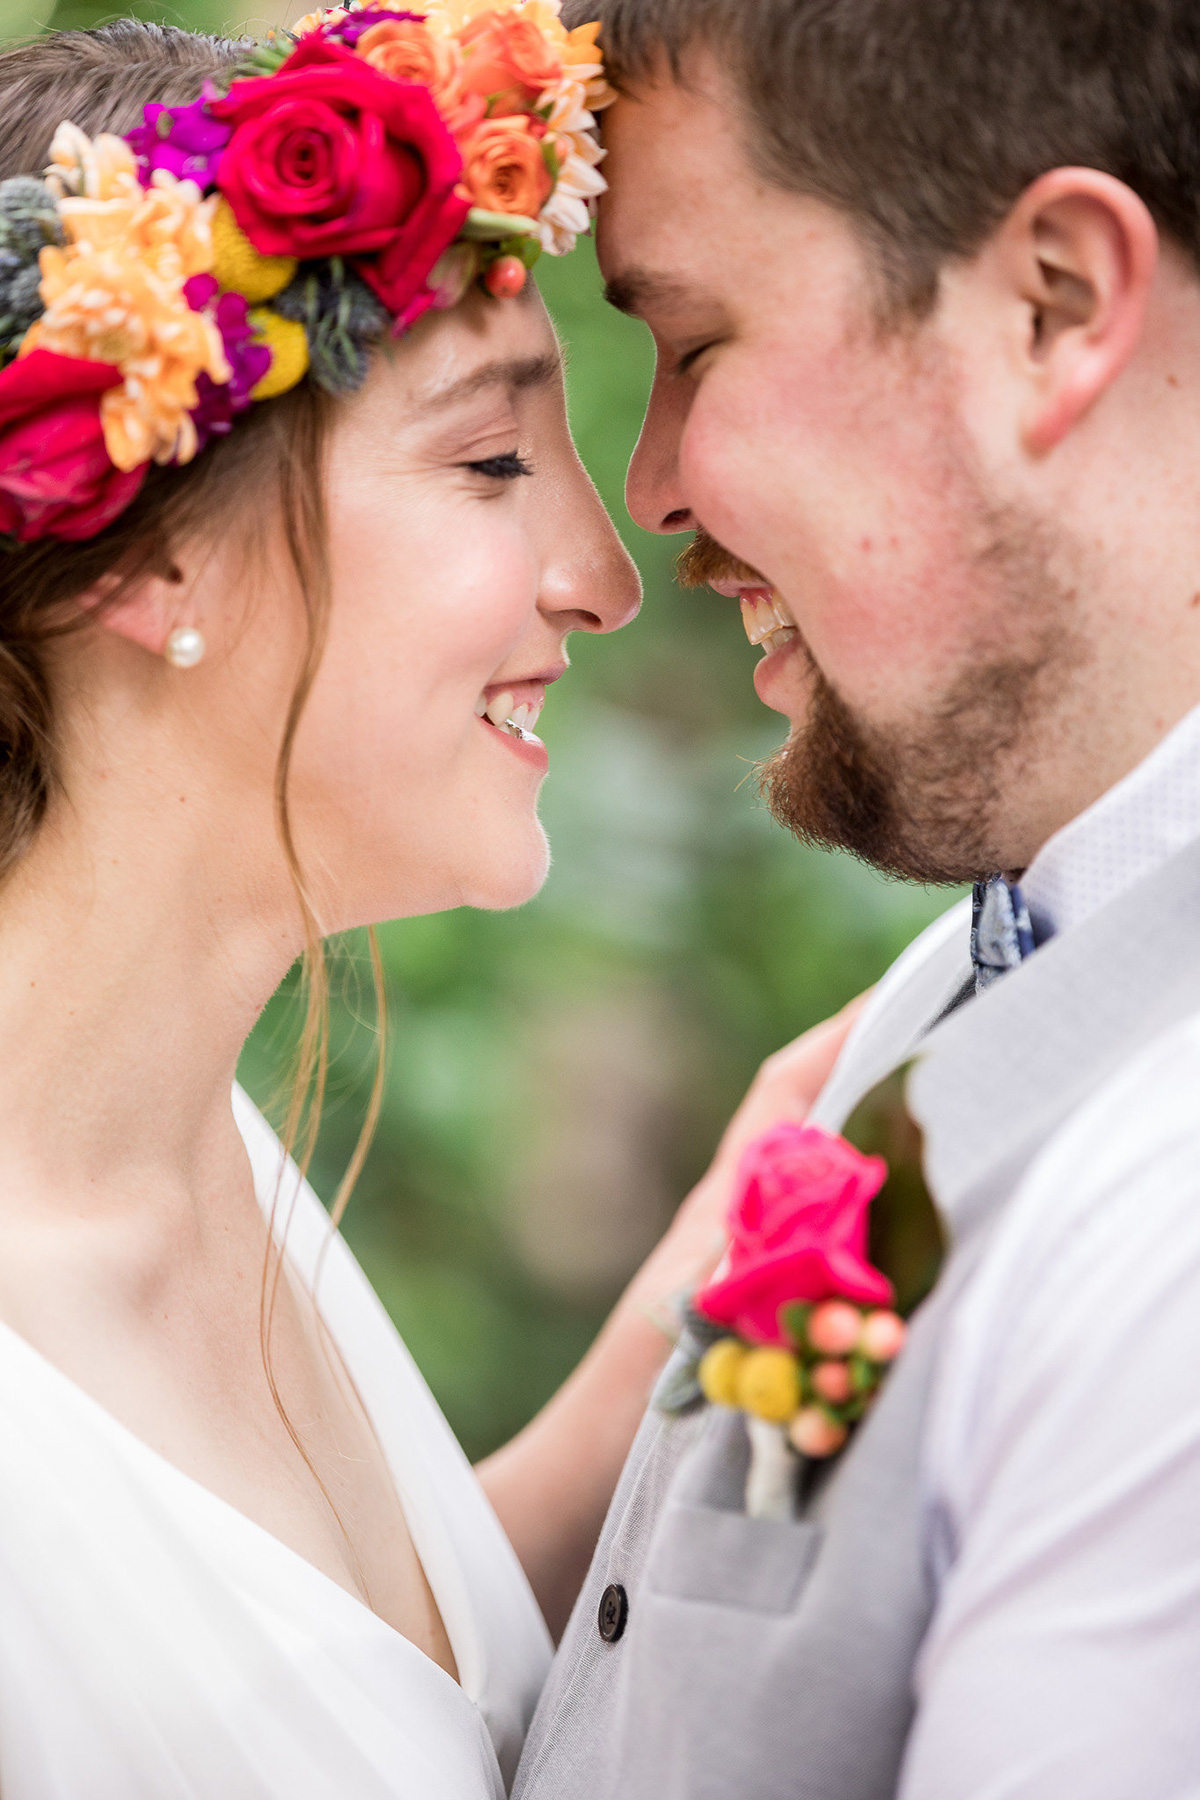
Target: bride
x,y
293,536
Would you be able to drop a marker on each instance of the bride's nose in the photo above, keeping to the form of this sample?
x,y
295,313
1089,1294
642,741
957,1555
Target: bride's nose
x,y
589,581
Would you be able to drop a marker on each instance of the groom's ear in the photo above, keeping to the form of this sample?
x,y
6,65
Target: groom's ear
x,y
1077,256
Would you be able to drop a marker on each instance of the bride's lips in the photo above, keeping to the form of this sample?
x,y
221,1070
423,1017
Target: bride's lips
x,y
508,708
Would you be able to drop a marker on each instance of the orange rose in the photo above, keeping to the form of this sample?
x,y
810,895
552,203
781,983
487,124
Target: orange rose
x,y
508,61
503,167
406,50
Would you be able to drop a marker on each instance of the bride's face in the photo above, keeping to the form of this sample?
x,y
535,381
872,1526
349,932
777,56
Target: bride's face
x,y
466,543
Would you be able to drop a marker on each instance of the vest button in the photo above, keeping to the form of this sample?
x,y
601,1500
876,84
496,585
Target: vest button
x,y
614,1611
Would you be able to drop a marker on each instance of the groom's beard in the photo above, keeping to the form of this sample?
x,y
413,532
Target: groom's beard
x,y
927,801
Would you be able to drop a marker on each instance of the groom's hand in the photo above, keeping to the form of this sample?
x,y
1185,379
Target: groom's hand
x,y
784,1088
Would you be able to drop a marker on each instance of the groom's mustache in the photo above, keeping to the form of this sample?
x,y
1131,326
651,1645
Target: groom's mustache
x,y
706,561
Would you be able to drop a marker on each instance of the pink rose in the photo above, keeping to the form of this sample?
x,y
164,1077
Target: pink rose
x,y
331,158
56,477
798,1232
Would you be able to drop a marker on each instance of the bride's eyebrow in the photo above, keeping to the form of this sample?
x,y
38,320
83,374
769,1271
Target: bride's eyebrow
x,y
510,373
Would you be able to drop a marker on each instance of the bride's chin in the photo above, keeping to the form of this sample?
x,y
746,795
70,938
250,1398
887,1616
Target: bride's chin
x,y
512,878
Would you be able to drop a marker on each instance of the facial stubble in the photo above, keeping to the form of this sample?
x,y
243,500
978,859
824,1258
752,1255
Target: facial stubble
x,y
938,798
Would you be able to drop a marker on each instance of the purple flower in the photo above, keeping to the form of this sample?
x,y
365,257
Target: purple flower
x,y
348,30
186,140
218,403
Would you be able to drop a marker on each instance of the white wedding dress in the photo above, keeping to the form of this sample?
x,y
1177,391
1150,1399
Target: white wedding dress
x,y
156,1643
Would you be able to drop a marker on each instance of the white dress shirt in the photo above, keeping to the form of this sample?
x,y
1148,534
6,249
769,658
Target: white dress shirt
x,y
1137,825
1062,1462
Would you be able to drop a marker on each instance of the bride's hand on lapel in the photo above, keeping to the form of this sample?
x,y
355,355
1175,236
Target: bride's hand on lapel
x,y
552,1484
785,1087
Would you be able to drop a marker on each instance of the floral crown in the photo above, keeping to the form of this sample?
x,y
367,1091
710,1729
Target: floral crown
x,y
374,165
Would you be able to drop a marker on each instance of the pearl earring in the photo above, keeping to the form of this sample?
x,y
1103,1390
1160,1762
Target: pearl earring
x,y
185,647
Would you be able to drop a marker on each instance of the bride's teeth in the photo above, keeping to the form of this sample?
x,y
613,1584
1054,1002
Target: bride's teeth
x,y
503,712
499,707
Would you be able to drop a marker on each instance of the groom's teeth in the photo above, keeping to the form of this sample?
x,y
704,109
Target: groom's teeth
x,y
499,707
777,639
764,614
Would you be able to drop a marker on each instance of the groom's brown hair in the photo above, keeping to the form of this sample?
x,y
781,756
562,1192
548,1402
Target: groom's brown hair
x,y
925,119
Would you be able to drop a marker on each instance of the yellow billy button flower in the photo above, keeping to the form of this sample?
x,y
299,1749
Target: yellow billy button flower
x,y
718,1371
238,266
768,1384
287,341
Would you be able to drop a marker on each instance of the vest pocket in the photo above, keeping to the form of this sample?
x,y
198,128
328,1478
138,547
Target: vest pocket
x,y
728,1559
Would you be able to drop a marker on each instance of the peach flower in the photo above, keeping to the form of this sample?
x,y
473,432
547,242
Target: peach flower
x,y
407,50
503,167
114,294
508,61
577,52
102,168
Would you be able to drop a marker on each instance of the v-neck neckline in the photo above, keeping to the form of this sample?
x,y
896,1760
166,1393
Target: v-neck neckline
x,y
168,1472
330,1265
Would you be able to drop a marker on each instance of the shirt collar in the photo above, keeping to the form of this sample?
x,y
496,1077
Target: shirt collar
x,y
1141,822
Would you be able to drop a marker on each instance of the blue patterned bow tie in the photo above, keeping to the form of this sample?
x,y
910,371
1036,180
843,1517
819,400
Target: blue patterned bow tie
x,y
1001,935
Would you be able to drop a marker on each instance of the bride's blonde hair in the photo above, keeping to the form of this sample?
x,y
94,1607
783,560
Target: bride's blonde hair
x,y
101,79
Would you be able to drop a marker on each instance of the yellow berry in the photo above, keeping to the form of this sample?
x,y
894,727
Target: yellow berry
x,y
718,1371
237,264
287,341
768,1384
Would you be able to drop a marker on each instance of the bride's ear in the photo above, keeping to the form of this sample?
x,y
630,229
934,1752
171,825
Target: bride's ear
x,y
144,611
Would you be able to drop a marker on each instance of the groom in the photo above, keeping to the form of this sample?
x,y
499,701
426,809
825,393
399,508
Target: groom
x,y
923,278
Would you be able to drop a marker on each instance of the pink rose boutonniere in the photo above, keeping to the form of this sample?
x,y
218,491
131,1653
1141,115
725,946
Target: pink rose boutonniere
x,y
808,1325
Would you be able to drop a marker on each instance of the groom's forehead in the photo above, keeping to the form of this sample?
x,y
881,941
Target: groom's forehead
x,y
689,220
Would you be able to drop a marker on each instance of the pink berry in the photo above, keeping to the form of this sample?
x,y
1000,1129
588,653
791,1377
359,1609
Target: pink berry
x,y
833,1328
814,1433
831,1381
883,1335
505,278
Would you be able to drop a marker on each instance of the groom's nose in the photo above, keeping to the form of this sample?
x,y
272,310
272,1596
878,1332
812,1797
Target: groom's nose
x,y
653,491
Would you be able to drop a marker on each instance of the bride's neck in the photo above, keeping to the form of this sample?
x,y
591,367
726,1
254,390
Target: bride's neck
x,y
140,936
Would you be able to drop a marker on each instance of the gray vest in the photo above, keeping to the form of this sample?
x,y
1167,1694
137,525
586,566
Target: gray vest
x,y
762,1660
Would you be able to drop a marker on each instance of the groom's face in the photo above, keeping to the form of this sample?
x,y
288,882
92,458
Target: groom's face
x,y
829,457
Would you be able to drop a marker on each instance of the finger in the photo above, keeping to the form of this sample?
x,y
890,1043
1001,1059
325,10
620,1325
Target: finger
x,y
789,1081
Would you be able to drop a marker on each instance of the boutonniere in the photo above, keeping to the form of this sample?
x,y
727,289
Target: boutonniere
x,y
798,1327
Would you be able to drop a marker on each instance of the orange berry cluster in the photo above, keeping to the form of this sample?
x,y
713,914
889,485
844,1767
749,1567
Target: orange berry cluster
x,y
819,1388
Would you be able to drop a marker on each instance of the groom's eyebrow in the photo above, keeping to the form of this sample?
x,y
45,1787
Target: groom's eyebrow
x,y
639,291
513,373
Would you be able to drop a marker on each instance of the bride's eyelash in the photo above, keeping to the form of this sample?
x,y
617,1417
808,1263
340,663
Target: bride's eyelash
x,y
502,468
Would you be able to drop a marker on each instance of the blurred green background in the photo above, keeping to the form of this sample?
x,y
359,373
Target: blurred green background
x,y
557,1077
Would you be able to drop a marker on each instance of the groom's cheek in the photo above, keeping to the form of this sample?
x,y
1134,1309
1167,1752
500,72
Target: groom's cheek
x,y
830,471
